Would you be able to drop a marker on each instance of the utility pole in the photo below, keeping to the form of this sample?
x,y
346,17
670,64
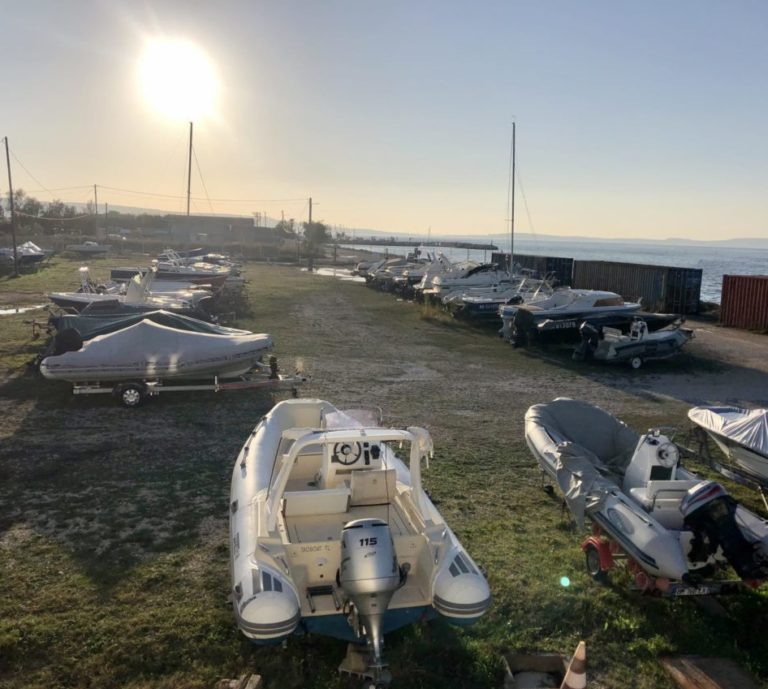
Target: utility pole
x,y
189,169
512,208
13,213
310,247
96,212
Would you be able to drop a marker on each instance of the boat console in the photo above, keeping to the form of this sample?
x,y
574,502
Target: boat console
x,y
651,479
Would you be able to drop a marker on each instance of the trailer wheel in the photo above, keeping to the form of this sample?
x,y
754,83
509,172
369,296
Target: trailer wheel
x,y
592,557
636,362
130,394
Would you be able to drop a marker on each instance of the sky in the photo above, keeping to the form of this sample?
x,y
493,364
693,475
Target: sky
x,y
633,119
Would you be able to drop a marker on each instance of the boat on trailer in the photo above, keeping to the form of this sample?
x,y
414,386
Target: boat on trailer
x,y
674,529
640,344
135,361
332,533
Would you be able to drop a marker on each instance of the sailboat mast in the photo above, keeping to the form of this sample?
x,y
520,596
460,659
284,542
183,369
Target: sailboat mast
x,y
189,168
512,205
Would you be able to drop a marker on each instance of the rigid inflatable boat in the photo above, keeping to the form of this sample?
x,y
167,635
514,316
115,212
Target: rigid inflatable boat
x,y
672,525
634,348
331,533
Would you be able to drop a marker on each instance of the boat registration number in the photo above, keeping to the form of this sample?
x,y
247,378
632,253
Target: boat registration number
x,y
683,590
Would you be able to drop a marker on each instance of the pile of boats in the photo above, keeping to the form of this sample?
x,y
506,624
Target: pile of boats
x,y
533,310
134,338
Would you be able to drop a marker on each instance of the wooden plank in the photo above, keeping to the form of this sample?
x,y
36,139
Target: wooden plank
x,y
695,672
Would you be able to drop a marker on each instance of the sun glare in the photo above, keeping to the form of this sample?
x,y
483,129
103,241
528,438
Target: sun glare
x,y
178,79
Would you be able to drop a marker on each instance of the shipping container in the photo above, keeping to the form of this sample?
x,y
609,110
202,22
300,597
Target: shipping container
x,y
744,301
660,288
559,267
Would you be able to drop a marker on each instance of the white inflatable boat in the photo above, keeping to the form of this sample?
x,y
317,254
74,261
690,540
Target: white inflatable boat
x,y
673,526
331,533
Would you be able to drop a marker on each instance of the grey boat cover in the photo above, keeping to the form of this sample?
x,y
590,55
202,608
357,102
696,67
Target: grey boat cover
x,y
593,449
747,427
93,326
148,349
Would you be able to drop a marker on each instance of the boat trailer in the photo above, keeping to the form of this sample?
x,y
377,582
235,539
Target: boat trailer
x,y
603,554
132,393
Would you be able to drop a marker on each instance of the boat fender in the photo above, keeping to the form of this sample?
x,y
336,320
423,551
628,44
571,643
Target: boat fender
x,y
710,513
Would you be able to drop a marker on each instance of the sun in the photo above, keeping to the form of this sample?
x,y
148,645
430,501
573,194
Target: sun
x,y
178,79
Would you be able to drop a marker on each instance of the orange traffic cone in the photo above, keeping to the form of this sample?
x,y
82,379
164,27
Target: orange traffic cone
x,y
576,675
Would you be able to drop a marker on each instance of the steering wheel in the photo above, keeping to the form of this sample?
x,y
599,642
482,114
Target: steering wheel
x,y
346,453
668,455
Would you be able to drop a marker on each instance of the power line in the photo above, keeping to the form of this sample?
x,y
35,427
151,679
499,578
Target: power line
x,y
44,217
23,167
199,198
50,191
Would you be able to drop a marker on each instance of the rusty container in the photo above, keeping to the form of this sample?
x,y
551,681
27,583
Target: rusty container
x,y
744,301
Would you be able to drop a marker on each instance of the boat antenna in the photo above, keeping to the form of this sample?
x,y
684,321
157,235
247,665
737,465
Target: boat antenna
x,y
512,201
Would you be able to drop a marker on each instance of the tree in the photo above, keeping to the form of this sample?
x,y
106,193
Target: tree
x,y
315,235
285,227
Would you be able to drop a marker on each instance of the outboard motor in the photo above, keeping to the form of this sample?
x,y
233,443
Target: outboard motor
x,y
710,513
370,575
67,340
590,338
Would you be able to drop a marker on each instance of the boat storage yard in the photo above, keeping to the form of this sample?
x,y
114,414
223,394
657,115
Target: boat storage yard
x,y
149,547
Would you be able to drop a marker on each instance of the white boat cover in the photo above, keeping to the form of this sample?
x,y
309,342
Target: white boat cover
x,y
592,449
149,349
747,427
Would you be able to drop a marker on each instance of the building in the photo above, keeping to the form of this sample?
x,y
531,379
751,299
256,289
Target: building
x,y
216,228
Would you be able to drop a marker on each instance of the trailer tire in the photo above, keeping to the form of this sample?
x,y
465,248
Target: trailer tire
x,y
636,362
592,557
131,395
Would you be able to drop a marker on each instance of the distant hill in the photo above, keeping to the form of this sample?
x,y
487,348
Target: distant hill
x,y
742,242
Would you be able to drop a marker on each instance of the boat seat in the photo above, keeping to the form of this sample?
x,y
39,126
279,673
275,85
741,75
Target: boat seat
x,y
373,487
302,503
658,495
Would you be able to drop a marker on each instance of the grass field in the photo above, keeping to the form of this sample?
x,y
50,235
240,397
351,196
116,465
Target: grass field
x,y
113,522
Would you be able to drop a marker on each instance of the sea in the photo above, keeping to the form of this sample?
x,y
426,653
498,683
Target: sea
x,y
714,261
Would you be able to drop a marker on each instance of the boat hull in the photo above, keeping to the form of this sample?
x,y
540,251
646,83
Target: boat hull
x,y
197,278
753,464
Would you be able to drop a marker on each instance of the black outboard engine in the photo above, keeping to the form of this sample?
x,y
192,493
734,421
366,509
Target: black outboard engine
x,y
710,513
67,340
590,338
